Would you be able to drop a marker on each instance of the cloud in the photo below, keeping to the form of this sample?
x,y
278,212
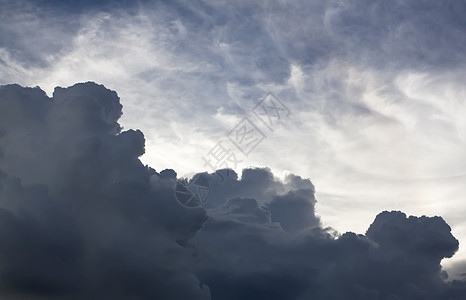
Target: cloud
x,y
280,251
243,254
82,217
376,93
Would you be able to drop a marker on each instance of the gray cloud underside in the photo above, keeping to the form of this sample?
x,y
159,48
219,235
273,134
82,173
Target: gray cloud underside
x,y
82,218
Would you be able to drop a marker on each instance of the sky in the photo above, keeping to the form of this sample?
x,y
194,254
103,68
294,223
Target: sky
x,y
365,99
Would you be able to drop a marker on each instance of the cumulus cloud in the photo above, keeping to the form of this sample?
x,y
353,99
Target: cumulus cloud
x,y
82,217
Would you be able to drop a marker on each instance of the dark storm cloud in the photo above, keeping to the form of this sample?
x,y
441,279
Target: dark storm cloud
x,y
243,255
250,249
82,218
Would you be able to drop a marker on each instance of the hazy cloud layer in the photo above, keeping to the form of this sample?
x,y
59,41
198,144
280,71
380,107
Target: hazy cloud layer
x,y
82,217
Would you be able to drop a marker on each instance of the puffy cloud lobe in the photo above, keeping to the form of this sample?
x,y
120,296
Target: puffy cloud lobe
x,y
417,237
82,217
244,255
293,211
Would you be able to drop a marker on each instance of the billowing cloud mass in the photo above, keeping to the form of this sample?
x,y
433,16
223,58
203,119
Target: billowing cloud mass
x,y
82,218
375,89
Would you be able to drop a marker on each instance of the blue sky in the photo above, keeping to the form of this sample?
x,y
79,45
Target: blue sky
x,y
375,89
